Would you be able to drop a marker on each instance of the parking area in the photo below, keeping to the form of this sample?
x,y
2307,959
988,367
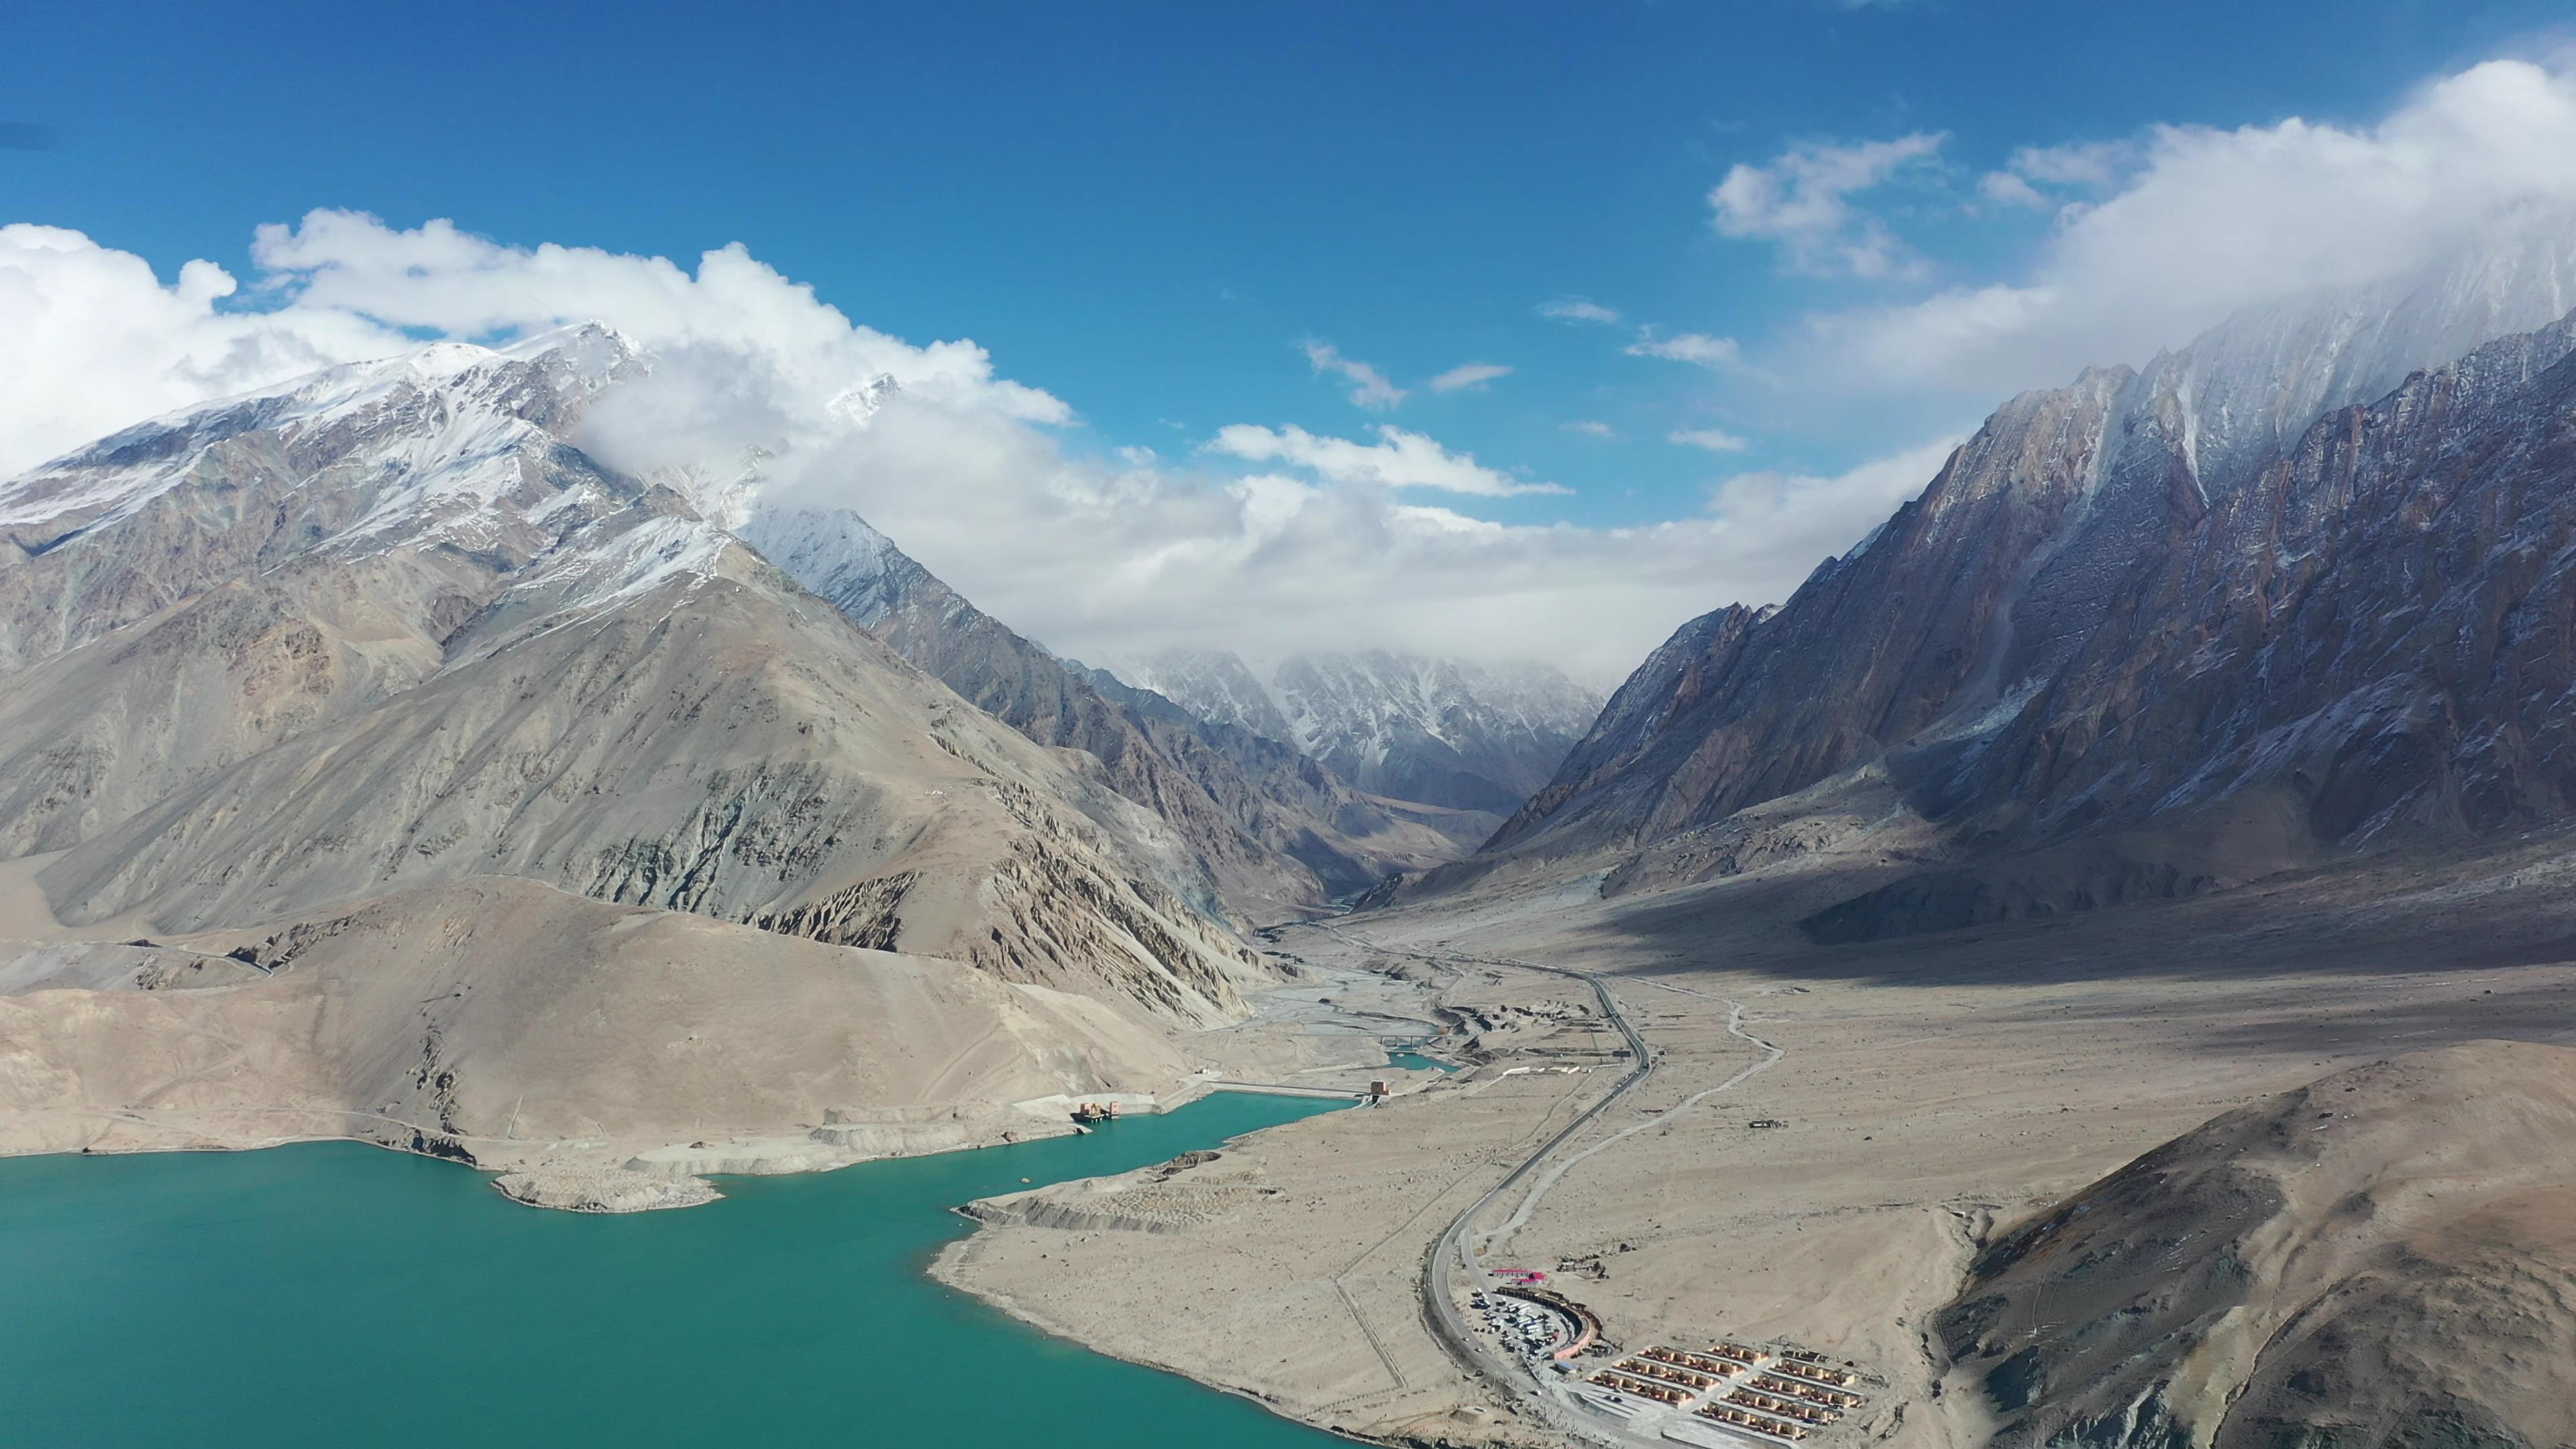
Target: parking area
x,y
1529,1325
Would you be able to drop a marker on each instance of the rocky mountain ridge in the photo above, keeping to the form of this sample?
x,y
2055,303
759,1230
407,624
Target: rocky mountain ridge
x,y
2168,619
1439,732
1281,833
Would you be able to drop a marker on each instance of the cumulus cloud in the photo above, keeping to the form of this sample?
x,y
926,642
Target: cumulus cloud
x,y
1810,516
1589,428
2085,166
1469,377
1696,348
1370,388
1268,539
1716,440
1398,459
439,278
2170,233
1320,544
1579,309
91,341
1802,201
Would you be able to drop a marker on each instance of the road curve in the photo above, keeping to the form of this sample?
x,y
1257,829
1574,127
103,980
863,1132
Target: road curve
x,y
1447,1324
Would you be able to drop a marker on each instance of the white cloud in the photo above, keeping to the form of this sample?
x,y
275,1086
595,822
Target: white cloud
x,y
1809,517
2090,166
91,341
1697,348
1320,543
1579,309
1716,440
1802,201
1398,459
2192,223
1370,388
1469,376
2011,190
437,277
1589,428
1317,548
2096,164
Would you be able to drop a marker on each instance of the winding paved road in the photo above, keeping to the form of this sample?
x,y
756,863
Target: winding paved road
x,y
1448,1324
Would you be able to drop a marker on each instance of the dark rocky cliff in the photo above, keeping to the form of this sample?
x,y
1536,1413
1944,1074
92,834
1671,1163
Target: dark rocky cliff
x,y
2132,645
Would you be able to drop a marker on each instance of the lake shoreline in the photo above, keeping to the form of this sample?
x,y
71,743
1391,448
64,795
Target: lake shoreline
x,y
578,1329
950,1266
951,1260
595,1178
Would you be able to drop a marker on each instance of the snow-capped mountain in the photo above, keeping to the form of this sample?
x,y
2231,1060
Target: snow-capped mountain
x,y
1437,731
2279,591
1213,684
454,446
385,627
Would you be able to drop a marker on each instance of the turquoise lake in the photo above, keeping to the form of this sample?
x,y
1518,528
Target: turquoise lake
x,y
337,1295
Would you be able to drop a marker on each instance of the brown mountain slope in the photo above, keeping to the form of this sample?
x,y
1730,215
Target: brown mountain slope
x,y
1281,833
519,1024
2384,1257
1739,708
90,735
380,628
710,741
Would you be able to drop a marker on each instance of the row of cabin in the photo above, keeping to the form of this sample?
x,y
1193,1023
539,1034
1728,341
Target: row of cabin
x,y
1790,1408
1759,1423
1831,1398
1807,1368
1646,1368
1722,1368
1640,1388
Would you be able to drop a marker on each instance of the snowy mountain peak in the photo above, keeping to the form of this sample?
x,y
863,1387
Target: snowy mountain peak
x,y
1439,731
836,554
858,403
452,443
2246,388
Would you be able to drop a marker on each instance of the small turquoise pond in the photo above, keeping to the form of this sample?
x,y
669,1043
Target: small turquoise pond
x,y
1414,1061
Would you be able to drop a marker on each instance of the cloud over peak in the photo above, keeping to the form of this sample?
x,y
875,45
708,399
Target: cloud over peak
x,y
1324,543
2162,236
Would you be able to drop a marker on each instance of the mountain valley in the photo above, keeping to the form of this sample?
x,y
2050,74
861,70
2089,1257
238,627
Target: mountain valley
x,y
2177,782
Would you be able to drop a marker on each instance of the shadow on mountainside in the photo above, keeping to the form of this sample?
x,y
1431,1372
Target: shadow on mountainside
x,y
2390,914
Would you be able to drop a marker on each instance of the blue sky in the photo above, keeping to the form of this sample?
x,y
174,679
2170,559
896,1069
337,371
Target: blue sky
x,y
1146,209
